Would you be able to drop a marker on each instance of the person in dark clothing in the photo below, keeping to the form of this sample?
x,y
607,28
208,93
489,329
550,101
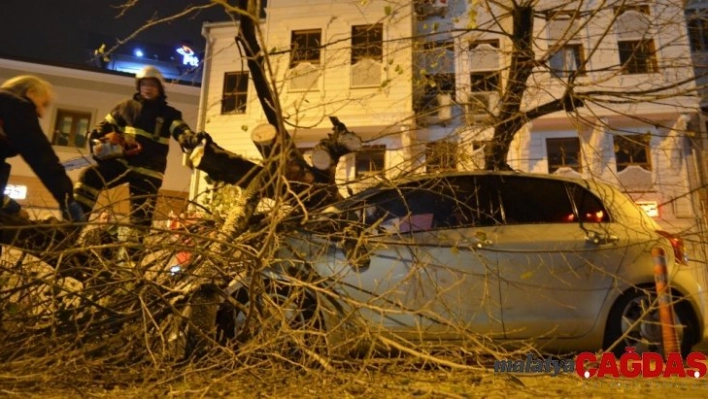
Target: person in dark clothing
x,y
131,146
23,100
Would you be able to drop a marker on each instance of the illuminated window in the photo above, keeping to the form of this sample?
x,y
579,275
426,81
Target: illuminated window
x,y
70,128
632,150
235,95
305,46
563,152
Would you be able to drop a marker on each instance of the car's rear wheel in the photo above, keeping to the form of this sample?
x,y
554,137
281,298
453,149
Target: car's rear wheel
x,y
634,322
282,320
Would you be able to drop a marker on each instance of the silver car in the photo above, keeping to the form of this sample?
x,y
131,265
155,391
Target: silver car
x,y
448,259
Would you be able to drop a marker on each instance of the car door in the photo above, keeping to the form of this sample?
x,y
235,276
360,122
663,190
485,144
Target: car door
x,y
557,256
421,281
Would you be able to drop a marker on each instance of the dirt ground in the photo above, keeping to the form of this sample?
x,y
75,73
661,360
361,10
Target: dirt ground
x,y
364,383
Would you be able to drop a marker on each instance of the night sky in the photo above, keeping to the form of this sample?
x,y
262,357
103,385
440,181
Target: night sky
x,y
60,31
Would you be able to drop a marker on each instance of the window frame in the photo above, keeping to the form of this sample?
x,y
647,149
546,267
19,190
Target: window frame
x,y
372,46
369,152
634,145
440,160
240,97
485,80
631,63
311,52
697,26
445,83
578,53
76,115
553,167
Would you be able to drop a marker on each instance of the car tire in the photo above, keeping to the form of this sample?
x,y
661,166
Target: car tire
x,y
634,322
281,319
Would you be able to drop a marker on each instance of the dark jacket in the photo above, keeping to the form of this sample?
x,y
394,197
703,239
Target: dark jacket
x,y
24,136
152,126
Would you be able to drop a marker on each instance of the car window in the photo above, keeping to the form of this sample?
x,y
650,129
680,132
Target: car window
x,y
477,202
410,209
527,200
590,208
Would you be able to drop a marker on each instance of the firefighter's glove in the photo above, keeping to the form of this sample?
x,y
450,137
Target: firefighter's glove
x,y
189,141
73,212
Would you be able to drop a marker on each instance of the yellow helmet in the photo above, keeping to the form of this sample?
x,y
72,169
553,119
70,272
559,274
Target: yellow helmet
x,y
150,72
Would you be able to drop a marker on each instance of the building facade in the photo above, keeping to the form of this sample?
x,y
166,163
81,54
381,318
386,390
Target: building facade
x,y
83,98
423,83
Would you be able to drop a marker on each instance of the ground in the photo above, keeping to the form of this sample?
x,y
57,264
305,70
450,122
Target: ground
x,y
376,382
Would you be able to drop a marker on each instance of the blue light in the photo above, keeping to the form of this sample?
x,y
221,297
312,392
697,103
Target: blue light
x,y
138,52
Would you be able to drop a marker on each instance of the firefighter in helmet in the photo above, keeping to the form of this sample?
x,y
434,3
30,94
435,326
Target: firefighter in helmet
x,y
131,146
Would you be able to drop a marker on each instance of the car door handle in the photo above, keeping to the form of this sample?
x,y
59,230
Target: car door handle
x,y
479,240
600,239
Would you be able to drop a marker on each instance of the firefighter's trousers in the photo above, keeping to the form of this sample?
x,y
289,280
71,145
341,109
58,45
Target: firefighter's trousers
x,y
143,184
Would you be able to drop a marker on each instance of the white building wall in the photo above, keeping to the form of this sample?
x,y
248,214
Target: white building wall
x,y
372,111
375,111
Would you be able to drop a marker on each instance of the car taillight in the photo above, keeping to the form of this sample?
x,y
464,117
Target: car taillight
x,y
677,245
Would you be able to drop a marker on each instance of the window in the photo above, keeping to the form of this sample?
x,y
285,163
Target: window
x,y
484,81
637,56
440,156
235,95
562,28
567,60
589,207
305,47
367,42
412,208
530,200
563,152
636,49
443,83
370,159
697,21
632,150
484,64
70,128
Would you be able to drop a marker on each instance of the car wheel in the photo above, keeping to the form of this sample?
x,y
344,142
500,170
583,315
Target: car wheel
x,y
281,319
634,322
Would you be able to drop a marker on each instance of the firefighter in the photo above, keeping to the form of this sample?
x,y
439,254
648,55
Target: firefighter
x,y
131,146
24,99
